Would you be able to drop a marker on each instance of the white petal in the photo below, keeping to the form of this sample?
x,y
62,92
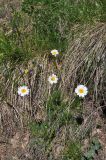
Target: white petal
x,y
54,51
20,90
81,87
50,79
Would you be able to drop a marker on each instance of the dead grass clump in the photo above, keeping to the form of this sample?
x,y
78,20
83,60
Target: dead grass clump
x,y
85,63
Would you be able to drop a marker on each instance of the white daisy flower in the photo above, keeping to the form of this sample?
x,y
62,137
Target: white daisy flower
x,y
54,52
53,79
23,91
81,90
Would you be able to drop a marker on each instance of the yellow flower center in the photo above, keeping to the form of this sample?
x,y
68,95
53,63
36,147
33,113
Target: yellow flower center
x,y
81,90
53,78
23,90
26,71
54,53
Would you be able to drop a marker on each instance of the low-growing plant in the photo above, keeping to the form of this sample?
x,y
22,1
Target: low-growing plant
x,y
93,149
73,151
57,116
10,52
5,48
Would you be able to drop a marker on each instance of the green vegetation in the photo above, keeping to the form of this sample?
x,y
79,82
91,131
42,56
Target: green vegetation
x,y
53,19
95,146
73,151
9,52
45,25
57,116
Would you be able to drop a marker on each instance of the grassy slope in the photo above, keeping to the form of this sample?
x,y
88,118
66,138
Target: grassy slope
x,y
53,126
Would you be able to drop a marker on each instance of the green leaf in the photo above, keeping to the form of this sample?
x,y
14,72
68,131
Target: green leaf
x,y
90,153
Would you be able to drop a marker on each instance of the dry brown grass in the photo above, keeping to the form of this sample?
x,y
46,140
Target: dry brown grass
x,y
85,62
5,12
